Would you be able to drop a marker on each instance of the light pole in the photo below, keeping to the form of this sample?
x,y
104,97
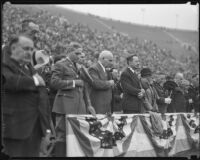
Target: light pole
x,y
143,11
177,16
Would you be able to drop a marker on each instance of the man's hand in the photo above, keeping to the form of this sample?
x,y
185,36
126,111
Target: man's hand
x,y
141,94
112,83
168,100
121,95
190,101
92,110
193,111
41,81
142,91
79,83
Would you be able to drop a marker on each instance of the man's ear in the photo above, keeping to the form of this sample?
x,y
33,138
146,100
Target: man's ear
x,y
13,47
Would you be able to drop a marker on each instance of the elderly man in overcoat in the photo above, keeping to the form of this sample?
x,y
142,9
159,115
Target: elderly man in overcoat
x,y
101,87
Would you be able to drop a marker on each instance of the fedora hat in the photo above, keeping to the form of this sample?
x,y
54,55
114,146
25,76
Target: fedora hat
x,y
41,58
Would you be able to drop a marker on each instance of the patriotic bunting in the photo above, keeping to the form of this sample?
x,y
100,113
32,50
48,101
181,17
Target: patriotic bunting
x,y
143,135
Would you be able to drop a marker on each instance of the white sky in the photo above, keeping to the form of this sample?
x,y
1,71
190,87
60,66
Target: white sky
x,y
181,16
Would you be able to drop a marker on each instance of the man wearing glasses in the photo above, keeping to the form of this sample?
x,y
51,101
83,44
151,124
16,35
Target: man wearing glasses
x,y
101,87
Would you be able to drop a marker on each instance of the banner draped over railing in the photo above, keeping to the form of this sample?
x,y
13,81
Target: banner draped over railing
x,y
138,135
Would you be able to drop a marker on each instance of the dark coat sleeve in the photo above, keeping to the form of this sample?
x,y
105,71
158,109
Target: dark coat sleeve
x,y
86,95
160,100
97,82
57,82
128,85
160,94
15,82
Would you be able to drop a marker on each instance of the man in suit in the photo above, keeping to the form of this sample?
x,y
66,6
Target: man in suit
x,y
31,29
133,93
178,103
117,92
158,84
193,94
101,87
25,109
71,97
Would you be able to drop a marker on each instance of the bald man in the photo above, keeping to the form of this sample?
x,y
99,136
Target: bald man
x,y
101,87
24,109
178,78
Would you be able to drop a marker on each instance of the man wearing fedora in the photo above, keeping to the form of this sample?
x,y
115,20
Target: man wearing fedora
x,y
152,98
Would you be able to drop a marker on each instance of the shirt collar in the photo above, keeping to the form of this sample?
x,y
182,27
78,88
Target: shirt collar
x,y
131,69
102,66
69,59
17,62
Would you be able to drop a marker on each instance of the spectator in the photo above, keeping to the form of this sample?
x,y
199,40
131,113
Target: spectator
x,y
25,121
70,98
131,102
150,91
158,84
178,103
117,92
101,87
193,95
30,28
56,36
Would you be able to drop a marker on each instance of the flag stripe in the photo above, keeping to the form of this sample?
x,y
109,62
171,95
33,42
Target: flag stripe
x,y
127,142
83,140
139,140
180,143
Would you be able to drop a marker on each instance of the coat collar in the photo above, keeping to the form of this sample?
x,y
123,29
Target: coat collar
x,y
102,66
71,64
133,75
102,73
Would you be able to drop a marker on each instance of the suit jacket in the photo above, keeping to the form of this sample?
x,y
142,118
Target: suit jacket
x,y
22,102
69,99
178,103
101,91
162,106
116,92
131,87
191,93
152,97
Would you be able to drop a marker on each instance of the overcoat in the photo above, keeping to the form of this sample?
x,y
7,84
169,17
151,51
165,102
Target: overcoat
x,y
101,91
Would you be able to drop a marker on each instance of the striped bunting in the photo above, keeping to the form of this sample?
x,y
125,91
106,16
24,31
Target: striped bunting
x,y
127,135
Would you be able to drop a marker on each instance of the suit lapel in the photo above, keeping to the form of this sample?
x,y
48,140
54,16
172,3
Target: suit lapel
x,y
71,65
102,74
16,68
133,75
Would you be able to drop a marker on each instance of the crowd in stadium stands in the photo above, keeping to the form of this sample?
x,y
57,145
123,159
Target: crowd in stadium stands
x,y
56,34
90,71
